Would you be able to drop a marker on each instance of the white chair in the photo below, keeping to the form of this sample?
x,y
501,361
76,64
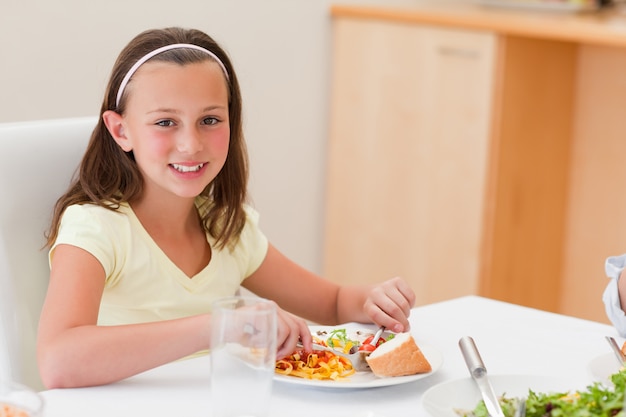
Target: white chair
x,y
37,161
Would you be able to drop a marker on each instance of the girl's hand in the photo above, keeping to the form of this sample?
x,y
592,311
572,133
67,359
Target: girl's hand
x,y
389,304
291,330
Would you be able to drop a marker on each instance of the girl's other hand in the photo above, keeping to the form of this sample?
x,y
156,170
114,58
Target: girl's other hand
x,y
389,304
291,330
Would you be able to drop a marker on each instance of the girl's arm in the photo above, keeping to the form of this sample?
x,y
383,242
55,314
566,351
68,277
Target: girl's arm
x,y
319,300
73,351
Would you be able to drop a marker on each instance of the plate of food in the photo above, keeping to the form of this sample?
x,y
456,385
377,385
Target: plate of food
x,y
395,359
461,398
603,366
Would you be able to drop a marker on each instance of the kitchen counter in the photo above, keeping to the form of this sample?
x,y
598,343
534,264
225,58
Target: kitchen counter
x,y
604,27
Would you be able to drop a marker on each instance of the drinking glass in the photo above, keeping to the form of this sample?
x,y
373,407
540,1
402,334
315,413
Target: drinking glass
x,y
243,356
19,400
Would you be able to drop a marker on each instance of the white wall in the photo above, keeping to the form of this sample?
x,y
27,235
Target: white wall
x,y
55,56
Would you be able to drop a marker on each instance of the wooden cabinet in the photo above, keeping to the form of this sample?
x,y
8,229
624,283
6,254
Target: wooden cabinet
x,y
473,151
408,155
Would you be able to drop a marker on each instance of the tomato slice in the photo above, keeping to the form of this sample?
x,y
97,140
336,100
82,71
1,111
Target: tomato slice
x,y
366,347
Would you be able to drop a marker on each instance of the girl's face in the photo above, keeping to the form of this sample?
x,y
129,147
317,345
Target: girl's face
x,y
176,123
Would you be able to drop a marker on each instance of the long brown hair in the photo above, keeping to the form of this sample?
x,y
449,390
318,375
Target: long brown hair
x,y
108,176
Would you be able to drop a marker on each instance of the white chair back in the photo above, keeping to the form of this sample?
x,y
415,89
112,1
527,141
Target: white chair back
x,y
37,162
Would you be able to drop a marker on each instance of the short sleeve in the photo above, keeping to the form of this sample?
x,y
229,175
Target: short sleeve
x,y
93,229
253,244
614,265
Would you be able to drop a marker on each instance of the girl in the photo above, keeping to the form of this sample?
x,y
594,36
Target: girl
x,y
156,226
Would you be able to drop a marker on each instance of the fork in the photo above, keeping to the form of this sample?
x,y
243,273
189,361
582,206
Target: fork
x,y
619,355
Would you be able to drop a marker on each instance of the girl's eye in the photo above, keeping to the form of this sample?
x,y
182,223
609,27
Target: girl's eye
x,y
165,123
210,121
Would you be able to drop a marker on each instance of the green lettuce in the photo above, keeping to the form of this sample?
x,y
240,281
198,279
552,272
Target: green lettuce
x,y
597,400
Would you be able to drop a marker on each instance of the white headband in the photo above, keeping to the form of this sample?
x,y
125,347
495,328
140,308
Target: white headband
x,y
162,49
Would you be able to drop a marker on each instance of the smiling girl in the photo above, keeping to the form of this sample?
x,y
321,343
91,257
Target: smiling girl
x,y
156,226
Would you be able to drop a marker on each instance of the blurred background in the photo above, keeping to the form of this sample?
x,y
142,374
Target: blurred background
x,y
55,57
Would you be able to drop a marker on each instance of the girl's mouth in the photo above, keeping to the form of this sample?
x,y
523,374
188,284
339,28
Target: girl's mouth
x,y
187,168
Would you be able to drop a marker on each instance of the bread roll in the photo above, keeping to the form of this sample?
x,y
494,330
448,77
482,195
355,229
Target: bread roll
x,y
397,357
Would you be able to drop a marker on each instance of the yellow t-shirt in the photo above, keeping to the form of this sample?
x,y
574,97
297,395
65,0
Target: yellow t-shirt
x,y
142,284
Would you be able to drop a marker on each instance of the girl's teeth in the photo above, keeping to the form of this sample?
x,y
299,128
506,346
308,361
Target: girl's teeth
x,y
186,168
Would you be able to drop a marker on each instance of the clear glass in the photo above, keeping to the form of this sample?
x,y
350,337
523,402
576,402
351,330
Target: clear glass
x,y
243,356
18,400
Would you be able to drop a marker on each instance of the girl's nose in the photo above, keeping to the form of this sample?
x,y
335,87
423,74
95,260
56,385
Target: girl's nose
x,y
189,141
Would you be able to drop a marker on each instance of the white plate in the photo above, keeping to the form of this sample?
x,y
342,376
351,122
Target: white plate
x,y
366,379
546,6
442,399
603,366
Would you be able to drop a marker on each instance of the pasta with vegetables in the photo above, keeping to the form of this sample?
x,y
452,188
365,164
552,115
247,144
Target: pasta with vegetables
x,y
320,365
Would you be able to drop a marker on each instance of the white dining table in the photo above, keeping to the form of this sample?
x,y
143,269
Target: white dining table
x,y
512,339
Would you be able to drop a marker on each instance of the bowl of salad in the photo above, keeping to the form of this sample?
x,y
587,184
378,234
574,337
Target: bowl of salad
x,y
545,396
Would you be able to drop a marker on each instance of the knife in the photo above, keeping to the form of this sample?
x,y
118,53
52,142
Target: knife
x,y
478,372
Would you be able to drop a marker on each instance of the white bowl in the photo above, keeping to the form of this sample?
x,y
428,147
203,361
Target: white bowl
x,y
22,398
443,399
